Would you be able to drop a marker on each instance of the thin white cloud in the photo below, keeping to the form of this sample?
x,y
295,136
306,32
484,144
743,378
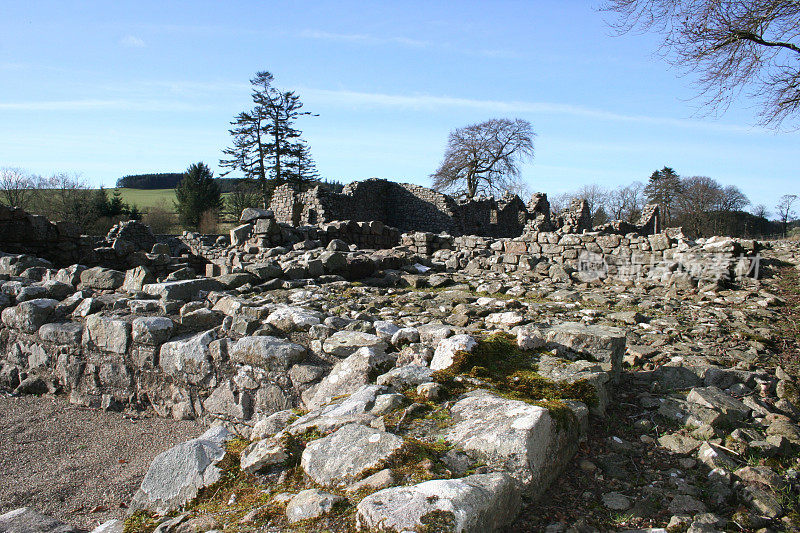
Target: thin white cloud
x,y
88,105
423,101
131,41
362,38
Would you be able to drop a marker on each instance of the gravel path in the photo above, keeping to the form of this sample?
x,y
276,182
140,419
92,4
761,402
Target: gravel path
x,y
78,465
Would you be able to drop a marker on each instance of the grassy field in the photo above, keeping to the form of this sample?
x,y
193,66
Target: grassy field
x,y
145,199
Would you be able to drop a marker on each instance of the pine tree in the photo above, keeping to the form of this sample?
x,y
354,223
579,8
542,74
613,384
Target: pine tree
x,y
301,169
663,188
197,193
264,138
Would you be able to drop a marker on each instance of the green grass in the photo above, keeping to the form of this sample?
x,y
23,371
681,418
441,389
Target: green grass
x,y
147,198
144,199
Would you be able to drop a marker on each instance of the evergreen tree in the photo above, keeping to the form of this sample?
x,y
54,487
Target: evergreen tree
x,y
663,189
301,169
197,193
264,138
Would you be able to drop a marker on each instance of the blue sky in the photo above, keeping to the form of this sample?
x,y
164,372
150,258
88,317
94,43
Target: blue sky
x,y
107,89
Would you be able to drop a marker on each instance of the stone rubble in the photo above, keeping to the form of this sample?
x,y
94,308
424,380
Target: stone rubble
x,y
351,400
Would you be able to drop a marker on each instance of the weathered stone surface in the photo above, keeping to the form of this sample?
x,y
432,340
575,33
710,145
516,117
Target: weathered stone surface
x,y
405,377
263,454
385,329
377,481
347,454
346,377
152,330
405,336
188,289
473,504
506,319
714,398
240,234
187,357
345,343
110,526
29,316
136,279
266,352
227,403
177,475
447,349
602,343
269,426
102,278
522,439
716,457
70,275
27,520
311,503
356,408
254,213
108,334
68,333
678,443
289,318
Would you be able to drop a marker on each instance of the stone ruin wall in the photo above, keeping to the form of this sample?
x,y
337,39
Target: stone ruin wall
x,y
61,243
127,245
402,205
112,361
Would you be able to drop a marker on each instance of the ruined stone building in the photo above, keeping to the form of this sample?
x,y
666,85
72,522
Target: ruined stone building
x,y
411,207
402,205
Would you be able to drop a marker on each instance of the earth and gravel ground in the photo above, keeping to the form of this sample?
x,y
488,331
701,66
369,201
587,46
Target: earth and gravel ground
x,y
78,465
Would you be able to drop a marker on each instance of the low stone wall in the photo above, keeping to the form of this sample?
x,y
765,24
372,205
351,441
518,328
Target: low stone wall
x,y
631,256
120,359
60,243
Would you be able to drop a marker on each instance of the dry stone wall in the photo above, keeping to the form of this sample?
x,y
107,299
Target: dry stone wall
x,y
402,205
61,243
662,257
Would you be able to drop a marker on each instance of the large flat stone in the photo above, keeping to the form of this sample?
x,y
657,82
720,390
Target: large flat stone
x,y
152,330
521,439
447,349
187,289
289,318
178,474
102,278
348,453
267,352
27,520
187,357
345,343
478,503
605,344
346,377
29,316
68,333
107,334
714,398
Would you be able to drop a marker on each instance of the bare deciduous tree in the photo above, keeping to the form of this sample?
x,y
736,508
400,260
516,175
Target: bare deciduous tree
x,y
485,158
785,212
16,187
731,45
761,211
732,199
626,202
699,195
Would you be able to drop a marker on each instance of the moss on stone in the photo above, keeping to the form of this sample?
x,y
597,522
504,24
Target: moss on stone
x,y
438,521
500,365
